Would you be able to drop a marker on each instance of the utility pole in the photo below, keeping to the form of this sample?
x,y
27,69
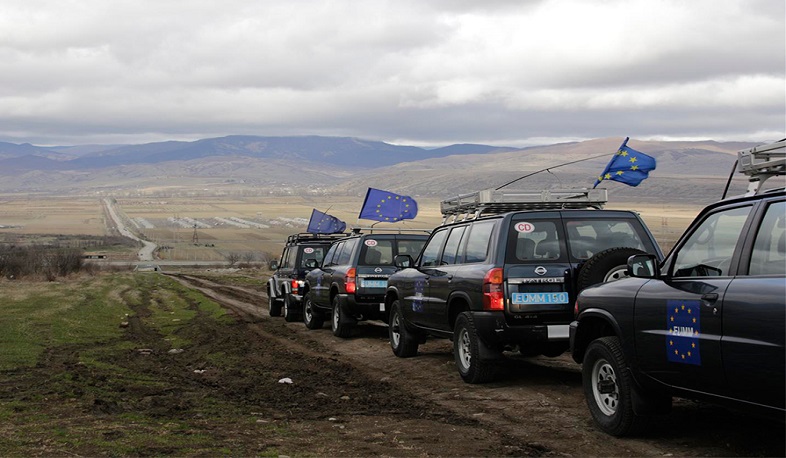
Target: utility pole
x,y
195,237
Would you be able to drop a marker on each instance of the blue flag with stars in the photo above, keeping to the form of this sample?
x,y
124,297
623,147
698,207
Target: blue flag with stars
x,y
627,166
683,322
387,206
322,223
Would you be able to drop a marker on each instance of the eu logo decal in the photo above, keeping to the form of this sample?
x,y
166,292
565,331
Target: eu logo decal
x,y
683,322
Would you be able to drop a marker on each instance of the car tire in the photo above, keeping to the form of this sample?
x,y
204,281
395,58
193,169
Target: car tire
x,y
466,351
607,265
609,388
312,318
290,314
402,340
273,307
340,323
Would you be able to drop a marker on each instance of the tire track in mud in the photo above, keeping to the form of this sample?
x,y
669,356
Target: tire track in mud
x,y
538,404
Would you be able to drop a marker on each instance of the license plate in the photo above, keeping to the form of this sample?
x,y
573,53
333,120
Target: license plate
x,y
539,298
375,283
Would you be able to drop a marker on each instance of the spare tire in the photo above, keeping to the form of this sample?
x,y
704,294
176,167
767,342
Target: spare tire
x,y
607,265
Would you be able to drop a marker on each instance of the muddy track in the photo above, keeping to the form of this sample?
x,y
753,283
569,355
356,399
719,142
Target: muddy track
x,y
536,407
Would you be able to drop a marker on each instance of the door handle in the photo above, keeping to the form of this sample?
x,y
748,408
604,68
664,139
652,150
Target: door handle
x,y
710,297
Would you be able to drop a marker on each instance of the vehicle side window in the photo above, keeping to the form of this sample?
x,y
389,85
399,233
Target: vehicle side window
x,y
450,252
431,251
346,253
283,262
709,249
769,248
328,261
478,241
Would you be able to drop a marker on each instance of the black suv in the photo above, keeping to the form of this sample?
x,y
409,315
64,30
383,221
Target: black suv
x,y
706,323
508,281
350,284
283,287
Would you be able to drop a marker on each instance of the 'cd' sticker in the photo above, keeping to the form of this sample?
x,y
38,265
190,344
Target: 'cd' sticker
x,y
371,242
526,228
308,250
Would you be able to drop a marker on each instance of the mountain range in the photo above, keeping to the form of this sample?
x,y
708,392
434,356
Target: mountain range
x,y
309,164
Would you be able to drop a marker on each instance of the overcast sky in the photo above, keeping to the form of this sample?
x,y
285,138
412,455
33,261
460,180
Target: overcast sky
x,y
508,72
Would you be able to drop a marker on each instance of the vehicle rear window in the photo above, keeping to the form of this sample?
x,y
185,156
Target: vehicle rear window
x,y
380,252
312,252
534,240
588,237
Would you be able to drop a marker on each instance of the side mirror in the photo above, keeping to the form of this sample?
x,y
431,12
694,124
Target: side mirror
x,y
273,265
312,263
403,261
643,266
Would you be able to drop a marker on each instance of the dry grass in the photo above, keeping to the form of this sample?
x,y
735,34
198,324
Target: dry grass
x,y
84,216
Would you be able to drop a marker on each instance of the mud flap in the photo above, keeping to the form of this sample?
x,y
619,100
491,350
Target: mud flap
x,y
655,404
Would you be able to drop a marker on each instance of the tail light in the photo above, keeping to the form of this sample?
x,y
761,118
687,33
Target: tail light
x,y
350,284
493,290
294,285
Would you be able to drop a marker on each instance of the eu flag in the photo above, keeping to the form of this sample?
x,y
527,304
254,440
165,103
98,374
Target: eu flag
x,y
627,166
322,223
683,322
387,206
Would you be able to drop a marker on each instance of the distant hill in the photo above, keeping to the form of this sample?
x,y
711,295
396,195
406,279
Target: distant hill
x,y
341,165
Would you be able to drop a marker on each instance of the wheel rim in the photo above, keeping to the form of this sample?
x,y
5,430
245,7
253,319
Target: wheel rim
x,y
336,316
464,349
286,307
616,273
395,331
607,401
307,311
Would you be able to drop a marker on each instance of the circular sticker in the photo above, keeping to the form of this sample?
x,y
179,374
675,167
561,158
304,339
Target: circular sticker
x,y
308,250
524,227
371,242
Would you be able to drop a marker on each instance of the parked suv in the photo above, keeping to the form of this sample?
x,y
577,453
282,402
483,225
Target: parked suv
x,y
283,287
508,281
350,284
706,323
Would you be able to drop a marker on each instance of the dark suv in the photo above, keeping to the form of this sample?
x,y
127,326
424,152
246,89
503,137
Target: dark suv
x,y
508,281
283,287
350,284
706,323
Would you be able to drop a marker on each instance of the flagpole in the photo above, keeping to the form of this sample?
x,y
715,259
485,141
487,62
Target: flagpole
x,y
608,166
552,167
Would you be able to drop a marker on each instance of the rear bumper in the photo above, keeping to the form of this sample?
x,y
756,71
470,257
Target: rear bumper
x,y
369,307
495,331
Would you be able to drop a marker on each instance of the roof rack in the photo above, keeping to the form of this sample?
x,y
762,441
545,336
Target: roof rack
x,y
492,201
762,162
388,230
307,237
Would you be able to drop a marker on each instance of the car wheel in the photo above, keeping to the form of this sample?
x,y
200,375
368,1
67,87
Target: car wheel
x,y
273,308
312,318
403,342
605,266
340,324
290,314
466,351
608,388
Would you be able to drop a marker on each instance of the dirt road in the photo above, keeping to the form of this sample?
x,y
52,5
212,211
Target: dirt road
x,y
536,408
